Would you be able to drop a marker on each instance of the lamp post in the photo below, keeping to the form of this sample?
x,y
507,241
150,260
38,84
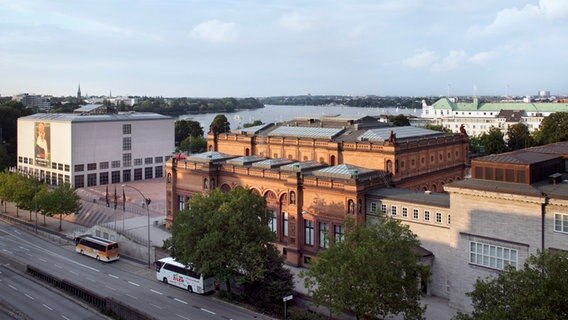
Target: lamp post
x,y
147,203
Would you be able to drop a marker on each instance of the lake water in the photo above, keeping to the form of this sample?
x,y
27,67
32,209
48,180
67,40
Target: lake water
x,y
272,113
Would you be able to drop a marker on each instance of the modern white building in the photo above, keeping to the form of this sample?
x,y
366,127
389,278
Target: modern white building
x,y
89,148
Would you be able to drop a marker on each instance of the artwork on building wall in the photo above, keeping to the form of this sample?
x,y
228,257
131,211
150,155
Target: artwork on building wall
x,y
42,141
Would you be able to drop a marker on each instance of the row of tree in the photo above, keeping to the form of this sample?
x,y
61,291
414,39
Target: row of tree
x,y
181,106
364,102
34,196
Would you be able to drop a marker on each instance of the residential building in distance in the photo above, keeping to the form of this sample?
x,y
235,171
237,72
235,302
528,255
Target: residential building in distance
x,y
30,100
94,146
478,118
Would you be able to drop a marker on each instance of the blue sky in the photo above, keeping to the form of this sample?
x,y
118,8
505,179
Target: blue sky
x,y
217,48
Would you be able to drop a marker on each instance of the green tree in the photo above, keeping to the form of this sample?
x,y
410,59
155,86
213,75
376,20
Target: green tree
x,y
187,128
400,120
24,193
538,291
374,272
553,128
8,187
211,235
519,137
437,127
193,144
61,201
492,141
220,124
252,124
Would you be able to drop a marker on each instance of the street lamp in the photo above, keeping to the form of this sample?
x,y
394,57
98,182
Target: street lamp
x,y
147,202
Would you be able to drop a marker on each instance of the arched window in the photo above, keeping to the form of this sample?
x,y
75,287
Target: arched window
x,y
210,147
247,152
212,183
205,184
332,160
292,197
225,188
350,207
396,166
169,178
389,166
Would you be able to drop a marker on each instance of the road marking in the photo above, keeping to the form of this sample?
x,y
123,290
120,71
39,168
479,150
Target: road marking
x,y
91,279
153,305
16,231
64,317
178,300
131,296
27,295
182,317
42,259
24,248
73,272
29,254
111,288
211,312
58,266
111,275
11,286
45,305
158,292
10,252
134,284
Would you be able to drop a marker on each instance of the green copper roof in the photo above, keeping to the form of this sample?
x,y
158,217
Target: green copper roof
x,y
445,104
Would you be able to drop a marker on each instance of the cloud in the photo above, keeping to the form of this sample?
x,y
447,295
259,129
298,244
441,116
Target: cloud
x,y
215,31
514,18
423,59
296,22
450,62
482,57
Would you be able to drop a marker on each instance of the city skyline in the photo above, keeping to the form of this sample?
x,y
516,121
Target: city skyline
x,y
253,48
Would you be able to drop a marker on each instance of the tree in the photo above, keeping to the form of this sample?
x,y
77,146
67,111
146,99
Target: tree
x,y
519,137
400,120
538,291
492,141
224,235
220,124
61,201
553,128
374,272
24,193
187,128
193,144
252,124
437,127
8,187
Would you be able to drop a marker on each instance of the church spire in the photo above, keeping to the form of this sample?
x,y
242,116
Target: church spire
x,y
79,92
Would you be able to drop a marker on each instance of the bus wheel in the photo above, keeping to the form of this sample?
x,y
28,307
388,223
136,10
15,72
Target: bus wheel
x,y
98,258
189,289
82,253
165,280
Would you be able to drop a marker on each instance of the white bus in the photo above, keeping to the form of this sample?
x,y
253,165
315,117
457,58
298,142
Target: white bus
x,y
168,270
97,247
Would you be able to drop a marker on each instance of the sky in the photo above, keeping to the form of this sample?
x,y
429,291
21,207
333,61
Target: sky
x,y
258,48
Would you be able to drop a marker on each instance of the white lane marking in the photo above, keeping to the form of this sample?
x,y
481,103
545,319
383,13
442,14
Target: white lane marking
x,y
158,292
155,306
211,312
91,279
48,307
111,275
134,284
73,272
178,300
10,252
58,266
16,231
42,259
24,248
111,288
64,317
29,254
182,317
11,286
27,295
131,296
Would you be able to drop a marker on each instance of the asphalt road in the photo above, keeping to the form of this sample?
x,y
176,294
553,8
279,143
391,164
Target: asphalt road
x,y
125,281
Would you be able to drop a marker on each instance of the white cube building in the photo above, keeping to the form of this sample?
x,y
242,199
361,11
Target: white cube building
x,y
94,148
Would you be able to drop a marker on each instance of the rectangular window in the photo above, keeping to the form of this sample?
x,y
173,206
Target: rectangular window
x,y
59,166
138,162
115,164
415,214
561,222
285,224
438,217
54,179
54,165
323,235
393,210
449,218
67,179
91,166
20,159
492,256
48,180
103,178
79,181
384,208
91,179
308,232
126,143
137,174
115,176
158,159
79,167
426,215
60,178
103,165
338,233
148,160
126,175
126,129
148,173
158,172
272,220
181,202
374,206
66,168
127,159
405,212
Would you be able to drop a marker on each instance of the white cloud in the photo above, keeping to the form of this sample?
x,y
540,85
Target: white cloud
x,y
482,57
450,62
296,22
215,31
423,59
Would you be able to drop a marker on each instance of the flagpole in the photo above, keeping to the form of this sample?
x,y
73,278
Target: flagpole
x,y
123,207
